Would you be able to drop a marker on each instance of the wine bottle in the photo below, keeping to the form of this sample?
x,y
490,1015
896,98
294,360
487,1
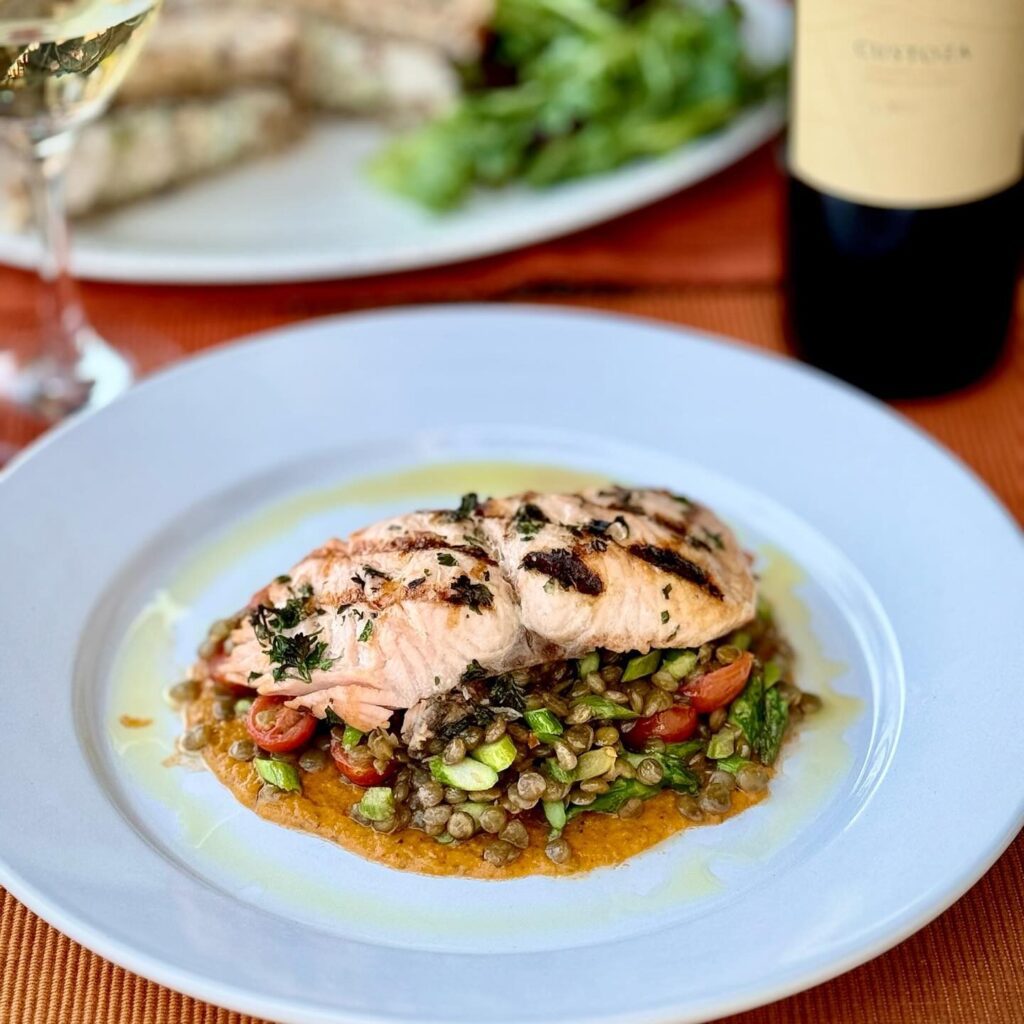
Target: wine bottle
x,y
906,155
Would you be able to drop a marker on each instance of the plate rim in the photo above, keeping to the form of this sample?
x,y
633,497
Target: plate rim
x,y
218,993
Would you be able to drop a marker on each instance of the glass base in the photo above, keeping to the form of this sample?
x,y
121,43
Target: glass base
x,y
53,389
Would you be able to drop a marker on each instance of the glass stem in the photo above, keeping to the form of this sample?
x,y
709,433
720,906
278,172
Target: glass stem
x,y
61,316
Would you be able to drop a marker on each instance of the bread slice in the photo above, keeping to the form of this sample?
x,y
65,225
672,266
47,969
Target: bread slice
x,y
143,150
351,72
456,28
198,50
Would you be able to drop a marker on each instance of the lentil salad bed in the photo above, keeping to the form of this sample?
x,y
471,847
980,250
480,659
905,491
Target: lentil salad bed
x,y
528,761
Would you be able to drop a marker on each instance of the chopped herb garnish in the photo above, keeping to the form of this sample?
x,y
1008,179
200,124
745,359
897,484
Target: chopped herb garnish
x,y
358,580
375,573
528,520
333,718
507,693
715,538
366,632
446,559
297,656
283,579
467,506
667,589
474,670
418,582
254,675
475,595
664,616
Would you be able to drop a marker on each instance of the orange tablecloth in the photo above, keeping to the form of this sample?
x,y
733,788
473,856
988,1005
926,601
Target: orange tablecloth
x,y
709,258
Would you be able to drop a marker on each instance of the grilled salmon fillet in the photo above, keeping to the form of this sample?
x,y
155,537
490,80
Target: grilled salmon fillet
x,y
409,608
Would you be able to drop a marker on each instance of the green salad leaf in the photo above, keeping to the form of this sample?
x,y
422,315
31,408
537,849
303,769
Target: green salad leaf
x,y
568,88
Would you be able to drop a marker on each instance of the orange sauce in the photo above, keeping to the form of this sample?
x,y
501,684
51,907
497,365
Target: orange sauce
x,y
322,809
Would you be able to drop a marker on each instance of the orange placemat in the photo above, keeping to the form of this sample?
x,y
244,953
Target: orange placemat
x,y
708,258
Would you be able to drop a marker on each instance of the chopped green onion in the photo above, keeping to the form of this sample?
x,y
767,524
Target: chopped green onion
x,y
722,744
602,707
589,663
544,724
377,804
497,755
641,665
278,773
469,774
554,811
679,664
475,811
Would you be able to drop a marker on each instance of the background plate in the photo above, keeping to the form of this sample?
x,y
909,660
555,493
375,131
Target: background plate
x,y
310,213
205,480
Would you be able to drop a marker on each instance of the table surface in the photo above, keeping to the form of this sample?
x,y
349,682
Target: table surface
x,y
709,258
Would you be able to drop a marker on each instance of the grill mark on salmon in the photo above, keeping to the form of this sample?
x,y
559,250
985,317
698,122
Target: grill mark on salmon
x,y
672,562
567,568
404,543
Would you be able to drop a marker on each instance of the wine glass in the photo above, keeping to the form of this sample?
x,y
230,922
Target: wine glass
x,y
60,63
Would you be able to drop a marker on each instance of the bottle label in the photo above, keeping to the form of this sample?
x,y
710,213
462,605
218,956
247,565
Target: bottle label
x,y
908,103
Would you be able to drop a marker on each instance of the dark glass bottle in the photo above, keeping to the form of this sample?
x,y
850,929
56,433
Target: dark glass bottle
x,y
901,302
904,214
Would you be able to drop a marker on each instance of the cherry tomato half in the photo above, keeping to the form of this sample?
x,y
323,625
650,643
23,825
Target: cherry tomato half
x,y
673,725
358,767
722,686
276,728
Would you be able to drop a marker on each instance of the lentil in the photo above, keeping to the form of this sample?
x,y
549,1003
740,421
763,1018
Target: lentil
x,y
688,807
558,851
461,825
195,739
752,779
632,808
500,853
454,752
184,691
650,772
312,760
493,820
242,750
531,786
515,833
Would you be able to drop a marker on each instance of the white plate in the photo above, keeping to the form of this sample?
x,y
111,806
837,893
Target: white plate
x,y
905,611
310,213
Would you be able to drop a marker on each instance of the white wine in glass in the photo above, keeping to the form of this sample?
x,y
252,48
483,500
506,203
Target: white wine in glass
x,y
60,63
